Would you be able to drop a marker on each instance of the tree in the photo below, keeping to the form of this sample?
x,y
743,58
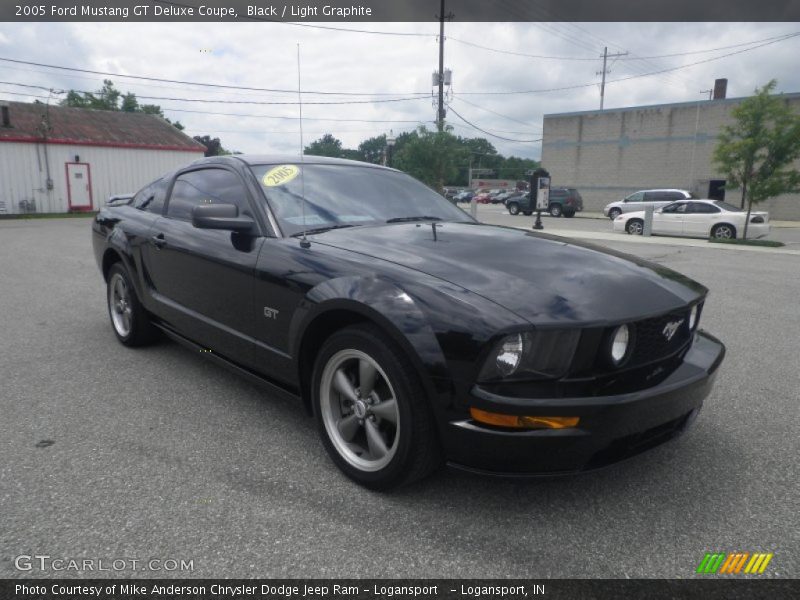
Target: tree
x,y
756,152
213,145
108,98
327,145
431,156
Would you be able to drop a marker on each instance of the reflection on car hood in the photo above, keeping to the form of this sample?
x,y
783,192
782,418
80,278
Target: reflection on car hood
x,y
545,279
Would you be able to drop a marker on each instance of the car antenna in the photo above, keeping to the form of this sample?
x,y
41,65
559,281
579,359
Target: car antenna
x,y
304,243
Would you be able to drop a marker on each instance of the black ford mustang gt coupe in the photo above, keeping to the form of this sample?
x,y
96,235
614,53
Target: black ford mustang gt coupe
x,y
412,333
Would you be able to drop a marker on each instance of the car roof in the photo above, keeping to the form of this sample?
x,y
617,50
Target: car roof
x,y
663,190
267,159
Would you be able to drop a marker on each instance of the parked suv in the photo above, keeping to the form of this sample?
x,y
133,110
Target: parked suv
x,y
563,201
641,200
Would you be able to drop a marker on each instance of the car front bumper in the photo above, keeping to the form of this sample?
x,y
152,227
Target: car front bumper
x,y
611,428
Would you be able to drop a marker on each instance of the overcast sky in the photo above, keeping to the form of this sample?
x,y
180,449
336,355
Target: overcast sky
x,y
389,67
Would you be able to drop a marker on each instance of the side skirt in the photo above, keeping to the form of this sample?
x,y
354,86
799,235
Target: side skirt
x,y
269,386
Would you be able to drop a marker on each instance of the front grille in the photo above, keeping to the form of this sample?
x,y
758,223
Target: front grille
x,y
651,340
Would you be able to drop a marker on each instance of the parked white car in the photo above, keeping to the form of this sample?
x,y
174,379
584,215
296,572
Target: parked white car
x,y
641,200
697,218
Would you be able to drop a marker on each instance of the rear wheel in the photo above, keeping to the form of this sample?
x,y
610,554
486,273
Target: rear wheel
x,y
129,320
569,213
371,409
723,231
555,210
513,209
635,227
614,213
527,213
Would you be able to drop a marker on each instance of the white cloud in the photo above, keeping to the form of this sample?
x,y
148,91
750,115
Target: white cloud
x,y
264,55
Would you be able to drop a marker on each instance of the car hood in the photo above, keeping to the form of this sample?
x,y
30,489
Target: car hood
x,y
544,279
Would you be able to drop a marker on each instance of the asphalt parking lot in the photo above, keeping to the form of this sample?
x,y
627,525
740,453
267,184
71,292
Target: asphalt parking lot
x,y
157,453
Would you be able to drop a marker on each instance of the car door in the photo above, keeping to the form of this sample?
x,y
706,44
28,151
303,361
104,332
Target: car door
x,y
633,202
203,278
669,219
699,219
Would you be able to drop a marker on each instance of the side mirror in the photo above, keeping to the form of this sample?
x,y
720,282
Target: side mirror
x,y
220,216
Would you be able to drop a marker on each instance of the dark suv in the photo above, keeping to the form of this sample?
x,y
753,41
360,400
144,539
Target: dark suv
x,y
563,201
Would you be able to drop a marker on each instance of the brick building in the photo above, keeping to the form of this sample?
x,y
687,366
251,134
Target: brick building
x,y
612,153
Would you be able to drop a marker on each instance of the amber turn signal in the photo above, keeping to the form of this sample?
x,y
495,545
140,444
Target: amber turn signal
x,y
522,422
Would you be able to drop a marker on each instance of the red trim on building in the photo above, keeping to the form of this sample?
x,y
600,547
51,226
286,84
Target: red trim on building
x,y
103,144
69,187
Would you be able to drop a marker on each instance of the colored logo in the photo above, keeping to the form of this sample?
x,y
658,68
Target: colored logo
x,y
734,563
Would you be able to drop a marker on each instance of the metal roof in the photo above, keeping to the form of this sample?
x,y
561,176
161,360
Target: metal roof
x,y
693,103
83,126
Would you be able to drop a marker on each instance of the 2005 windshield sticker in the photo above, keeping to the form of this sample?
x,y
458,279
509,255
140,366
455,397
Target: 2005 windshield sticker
x,y
280,175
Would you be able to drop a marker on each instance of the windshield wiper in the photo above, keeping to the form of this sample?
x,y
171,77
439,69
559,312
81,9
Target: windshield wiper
x,y
322,229
410,219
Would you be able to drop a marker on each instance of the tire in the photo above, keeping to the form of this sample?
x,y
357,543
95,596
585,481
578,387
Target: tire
x,y
723,231
129,320
614,213
569,213
513,209
635,227
376,443
555,210
527,213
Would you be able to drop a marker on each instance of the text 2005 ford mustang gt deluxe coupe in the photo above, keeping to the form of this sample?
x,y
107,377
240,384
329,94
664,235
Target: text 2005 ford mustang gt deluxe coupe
x,y
414,334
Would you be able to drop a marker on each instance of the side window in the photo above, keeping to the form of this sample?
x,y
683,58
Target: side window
x,y
682,207
655,197
673,208
637,197
155,203
703,208
206,186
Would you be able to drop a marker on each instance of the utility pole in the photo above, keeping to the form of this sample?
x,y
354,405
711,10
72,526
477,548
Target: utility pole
x,y
606,56
440,113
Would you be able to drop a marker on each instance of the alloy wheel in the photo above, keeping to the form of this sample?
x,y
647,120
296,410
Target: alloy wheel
x,y
119,304
359,410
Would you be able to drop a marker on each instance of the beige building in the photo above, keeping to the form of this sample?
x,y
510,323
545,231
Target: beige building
x,y
611,153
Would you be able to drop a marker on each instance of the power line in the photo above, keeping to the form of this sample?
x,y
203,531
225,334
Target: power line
x,y
500,137
523,54
495,113
196,83
583,85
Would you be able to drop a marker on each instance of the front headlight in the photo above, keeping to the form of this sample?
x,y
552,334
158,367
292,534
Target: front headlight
x,y
543,354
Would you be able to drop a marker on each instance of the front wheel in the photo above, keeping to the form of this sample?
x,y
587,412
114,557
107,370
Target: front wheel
x,y
555,210
371,409
723,232
635,227
614,213
513,209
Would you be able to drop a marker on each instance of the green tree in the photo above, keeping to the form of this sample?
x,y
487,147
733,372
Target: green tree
x,y
433,157
757,151
108,98
327,145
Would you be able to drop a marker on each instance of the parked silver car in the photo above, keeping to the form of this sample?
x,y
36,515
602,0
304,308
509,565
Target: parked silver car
x,y
644,198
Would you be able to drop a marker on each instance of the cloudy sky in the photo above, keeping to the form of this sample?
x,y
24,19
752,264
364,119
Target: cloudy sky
x,y
387,78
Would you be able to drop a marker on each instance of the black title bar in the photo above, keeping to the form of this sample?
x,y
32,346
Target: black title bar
x,y
350,11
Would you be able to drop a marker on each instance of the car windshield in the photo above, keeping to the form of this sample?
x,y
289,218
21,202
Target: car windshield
x,y
726,206
348,195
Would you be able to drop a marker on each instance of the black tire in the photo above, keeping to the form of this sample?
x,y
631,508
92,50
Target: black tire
x,y
723,231
413,448
556,210
129,320
513,209
635,227
614,213
569,213
527,213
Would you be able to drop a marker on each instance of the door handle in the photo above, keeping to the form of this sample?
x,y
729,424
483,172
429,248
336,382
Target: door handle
x,y
158,240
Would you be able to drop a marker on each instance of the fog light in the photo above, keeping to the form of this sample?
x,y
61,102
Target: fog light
x,y
522,421
620,342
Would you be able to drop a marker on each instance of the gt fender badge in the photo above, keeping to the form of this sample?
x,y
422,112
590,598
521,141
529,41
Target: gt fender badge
x,y
671,328
270,313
